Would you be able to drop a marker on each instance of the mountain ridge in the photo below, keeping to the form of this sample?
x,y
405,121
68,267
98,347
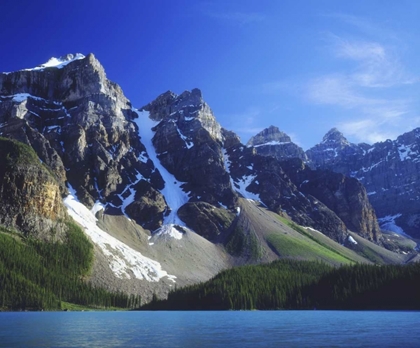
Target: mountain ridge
x,y
168,182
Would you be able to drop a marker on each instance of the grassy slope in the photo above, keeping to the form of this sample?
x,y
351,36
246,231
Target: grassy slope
x,y
280,237
375,253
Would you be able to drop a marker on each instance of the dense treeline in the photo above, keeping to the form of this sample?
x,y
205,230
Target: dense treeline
x,y
368,287
38,275
288,284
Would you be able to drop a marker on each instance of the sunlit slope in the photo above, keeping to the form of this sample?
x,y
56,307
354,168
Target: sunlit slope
x,y
280,238
375,253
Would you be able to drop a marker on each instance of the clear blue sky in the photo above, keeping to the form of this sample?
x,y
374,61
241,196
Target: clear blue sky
x,y
304,66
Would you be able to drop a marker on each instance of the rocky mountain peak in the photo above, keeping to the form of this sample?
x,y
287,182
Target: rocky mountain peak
x,y
269,136
188,107
334,136
273,142
59,62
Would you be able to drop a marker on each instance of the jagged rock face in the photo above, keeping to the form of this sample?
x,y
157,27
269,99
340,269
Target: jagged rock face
x,y
148,206
30,195
79,123
273,142
263,178
188,141
389,170
335,151
344,195
206,220
188,106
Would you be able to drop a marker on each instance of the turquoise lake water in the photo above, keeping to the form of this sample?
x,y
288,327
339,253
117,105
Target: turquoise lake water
x,y
211,329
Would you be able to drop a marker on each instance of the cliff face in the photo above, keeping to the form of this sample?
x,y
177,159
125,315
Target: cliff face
x,y
344,195
389,170
188,141
30,195
79,123
264,178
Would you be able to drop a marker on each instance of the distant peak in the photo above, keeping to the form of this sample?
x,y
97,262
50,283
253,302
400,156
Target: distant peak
x,y
169,104
270,135
60,62
334,136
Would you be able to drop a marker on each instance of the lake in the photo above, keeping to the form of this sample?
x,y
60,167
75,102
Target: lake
x,y
211,329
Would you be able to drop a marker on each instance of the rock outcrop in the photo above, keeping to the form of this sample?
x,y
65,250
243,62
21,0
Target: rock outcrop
x,y
344,195
30,196
206,220
273,142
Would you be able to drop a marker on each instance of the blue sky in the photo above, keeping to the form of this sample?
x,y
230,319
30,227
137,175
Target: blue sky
x,y
304,66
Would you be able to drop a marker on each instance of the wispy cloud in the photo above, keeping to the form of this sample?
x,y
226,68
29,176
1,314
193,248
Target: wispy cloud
x,y
375,64
337,90
366,84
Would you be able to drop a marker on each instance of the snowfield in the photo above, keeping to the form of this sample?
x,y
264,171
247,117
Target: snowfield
x,y
124,261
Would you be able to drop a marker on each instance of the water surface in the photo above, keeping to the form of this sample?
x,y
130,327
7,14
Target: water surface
x,y
211,329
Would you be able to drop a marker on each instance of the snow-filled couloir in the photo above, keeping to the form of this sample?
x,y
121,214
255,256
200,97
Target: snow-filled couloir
x,y
174,195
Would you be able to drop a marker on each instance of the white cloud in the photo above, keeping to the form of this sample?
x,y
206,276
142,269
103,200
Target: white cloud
x,y
367,87
360,50
337,90
366,130
376,64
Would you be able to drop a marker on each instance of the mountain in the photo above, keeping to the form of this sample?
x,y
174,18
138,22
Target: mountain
x,y
342,195
389,170
167,196
273,142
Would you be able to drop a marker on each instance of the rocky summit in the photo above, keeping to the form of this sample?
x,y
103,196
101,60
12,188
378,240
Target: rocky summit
x,y
167,196
273,142
389,170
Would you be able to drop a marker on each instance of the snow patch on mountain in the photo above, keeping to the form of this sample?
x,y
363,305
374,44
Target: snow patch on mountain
x,y
58,63
273,142
312,229
351,240
125,262
241,184
98,206
388,223
169,230
174,195
188,144
132,193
